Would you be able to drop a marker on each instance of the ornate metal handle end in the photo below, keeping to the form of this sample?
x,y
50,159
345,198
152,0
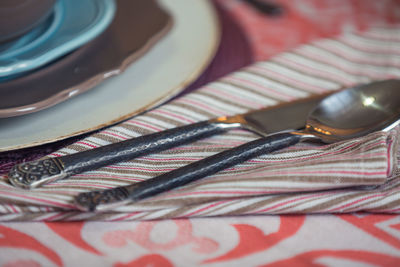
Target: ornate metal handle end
x,y
102,200
35,173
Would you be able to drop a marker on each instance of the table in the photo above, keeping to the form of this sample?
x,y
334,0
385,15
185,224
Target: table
x,y
334,240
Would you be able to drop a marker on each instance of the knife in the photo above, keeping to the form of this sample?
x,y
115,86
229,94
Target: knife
x,y
286,115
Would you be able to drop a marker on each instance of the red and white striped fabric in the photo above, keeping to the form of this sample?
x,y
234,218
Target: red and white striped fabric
x,y
301,179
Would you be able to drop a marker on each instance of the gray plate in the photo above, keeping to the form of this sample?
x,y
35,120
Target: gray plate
x,y
86,67
155,77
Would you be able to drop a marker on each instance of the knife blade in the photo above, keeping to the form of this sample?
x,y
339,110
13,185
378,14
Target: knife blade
x,y
286,115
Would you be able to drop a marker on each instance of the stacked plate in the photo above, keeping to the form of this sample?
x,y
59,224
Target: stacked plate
x,y
70,24
85,42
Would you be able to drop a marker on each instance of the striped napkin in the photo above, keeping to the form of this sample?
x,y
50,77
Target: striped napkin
x,y
306,178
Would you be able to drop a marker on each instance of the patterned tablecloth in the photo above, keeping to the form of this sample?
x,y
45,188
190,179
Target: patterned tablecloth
x,y
360,239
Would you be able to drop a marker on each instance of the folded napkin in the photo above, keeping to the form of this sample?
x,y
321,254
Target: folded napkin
x,y
355,175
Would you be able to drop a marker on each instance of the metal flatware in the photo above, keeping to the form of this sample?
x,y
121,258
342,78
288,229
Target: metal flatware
x,y
266,7
289,115
350,113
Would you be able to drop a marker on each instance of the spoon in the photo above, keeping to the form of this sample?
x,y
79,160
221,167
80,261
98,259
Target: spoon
x,y
347,114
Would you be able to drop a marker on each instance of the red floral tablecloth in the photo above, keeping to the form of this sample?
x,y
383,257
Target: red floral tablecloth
x,y
287,240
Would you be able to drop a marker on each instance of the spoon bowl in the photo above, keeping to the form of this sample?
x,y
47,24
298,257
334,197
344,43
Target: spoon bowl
x,y
356,112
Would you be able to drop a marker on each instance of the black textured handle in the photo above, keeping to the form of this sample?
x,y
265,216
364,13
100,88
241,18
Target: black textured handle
x,y
108,198
33,174
136,147
266,7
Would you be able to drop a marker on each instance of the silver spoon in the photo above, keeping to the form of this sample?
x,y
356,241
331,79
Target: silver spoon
x,y
347,114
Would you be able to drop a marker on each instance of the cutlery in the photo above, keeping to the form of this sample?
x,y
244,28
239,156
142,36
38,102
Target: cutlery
x,y
266,7
263,122
349,113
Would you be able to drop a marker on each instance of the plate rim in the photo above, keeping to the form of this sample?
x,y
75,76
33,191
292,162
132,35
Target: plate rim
x,y
168,94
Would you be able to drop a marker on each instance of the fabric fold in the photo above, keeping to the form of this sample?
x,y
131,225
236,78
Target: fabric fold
x,y
355,175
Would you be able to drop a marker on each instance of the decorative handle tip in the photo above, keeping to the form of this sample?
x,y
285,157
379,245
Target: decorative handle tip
x,y
102,200
35,173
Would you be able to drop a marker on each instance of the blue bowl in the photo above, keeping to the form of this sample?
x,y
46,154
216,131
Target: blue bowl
x,y
73,24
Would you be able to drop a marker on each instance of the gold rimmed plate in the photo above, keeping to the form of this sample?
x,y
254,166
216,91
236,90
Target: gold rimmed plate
x,y
159,74
81,70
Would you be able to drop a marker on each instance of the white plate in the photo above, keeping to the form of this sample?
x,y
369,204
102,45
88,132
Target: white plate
x,y
178,59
